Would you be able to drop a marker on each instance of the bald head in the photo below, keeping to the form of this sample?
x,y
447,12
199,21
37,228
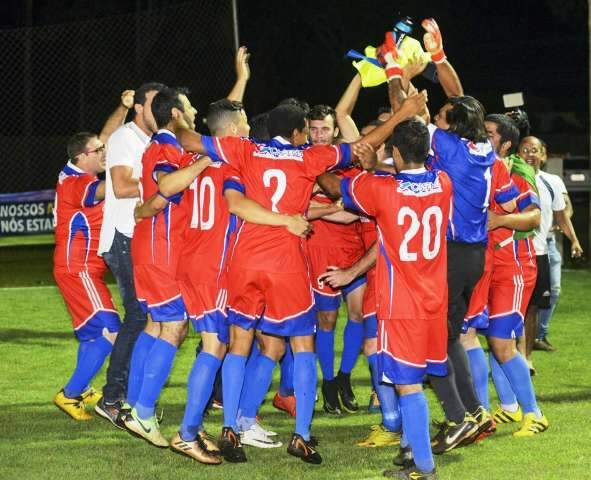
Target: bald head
x,y
533,151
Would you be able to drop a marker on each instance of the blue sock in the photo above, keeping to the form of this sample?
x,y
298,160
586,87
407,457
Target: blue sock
x,y
142,347
90,359
251,362
518,375
256,385
286,381
305,378
479,370
199,388
156,370
502,385
233,371
391,418
415,424
325,352
352,342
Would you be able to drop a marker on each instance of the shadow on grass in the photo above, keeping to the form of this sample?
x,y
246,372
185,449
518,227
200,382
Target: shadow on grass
x,y
19,336
566,397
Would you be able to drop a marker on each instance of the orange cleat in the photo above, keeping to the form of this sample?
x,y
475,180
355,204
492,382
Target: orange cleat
x,y
287,404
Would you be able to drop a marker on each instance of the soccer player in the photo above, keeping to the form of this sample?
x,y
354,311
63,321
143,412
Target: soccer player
x,y
340,245
267,263
155,252
461,148
124,163
411,209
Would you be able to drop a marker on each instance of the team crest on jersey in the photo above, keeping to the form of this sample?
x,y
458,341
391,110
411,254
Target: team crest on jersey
x,y
481,149
419,189
274,153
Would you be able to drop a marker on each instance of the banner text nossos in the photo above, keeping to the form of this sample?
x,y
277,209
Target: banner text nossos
x,y
27,213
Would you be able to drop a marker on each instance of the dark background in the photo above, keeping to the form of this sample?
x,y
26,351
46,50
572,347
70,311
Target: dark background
x,y
538,47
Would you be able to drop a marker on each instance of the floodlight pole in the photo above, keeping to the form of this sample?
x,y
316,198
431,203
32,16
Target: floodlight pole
x,y
235,24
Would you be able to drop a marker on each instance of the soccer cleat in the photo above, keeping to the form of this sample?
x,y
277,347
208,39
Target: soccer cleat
x,y
346,395
543,345
91,397
113,412
451,434
148,429
210,444
532,425
72,406
504,416
485,422
305,450
380,437
230,446
330,397
256,436
374,403
287,404
196,449
412,473
404,458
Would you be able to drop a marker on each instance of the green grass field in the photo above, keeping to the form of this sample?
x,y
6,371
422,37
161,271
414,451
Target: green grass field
x,y
37,441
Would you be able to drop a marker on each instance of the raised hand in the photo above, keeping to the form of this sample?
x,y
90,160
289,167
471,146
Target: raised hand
x,y
414,104
433,40
387,55
366,155
241,63
127,98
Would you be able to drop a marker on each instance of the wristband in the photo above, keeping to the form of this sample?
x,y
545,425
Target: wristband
x,y
438,57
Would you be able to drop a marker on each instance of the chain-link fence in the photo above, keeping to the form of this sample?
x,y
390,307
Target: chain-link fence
x,y
60,79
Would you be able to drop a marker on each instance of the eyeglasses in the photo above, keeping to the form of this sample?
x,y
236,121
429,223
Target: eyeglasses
x,y
533,150
96,150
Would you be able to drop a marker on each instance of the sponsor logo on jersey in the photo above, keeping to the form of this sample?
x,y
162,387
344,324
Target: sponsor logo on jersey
x,y
419,189
275,153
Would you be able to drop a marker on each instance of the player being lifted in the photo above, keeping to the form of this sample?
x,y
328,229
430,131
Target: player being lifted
x,y
267,263
411,209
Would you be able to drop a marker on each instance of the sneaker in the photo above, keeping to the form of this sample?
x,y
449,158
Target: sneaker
x,y
264,431
532,425
256,437
404,458
380,437
504,416
346,395
287,404
298,447
543,346
72,406
112,412
230,446
412,473
547,342
374,403
91,397
330,397
451,434
148,428
485,422
195,449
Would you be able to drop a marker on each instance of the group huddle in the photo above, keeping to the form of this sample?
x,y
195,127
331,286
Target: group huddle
x,y
254,233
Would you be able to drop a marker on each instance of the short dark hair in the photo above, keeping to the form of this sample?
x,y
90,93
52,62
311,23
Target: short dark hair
x,y
411,138
521,121
284,119
258,126
506,129
220,113
320,112
164,101
466,118
305,106
139,97
77,144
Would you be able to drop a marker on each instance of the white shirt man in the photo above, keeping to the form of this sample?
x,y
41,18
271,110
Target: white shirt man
x,y
551,190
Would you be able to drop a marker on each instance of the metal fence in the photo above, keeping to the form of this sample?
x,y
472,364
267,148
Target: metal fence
x,y
60,79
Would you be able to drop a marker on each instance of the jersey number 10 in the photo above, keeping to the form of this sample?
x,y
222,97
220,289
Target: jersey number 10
x,y
201,187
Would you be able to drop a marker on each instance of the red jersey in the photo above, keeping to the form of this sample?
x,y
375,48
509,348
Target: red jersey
x,y
211,227
280,177
157,240
412,211
77,221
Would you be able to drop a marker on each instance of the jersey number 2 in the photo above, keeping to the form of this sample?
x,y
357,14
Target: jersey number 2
x,y
200,189
428,252
279,175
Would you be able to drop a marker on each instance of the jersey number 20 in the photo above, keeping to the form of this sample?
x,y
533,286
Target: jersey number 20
x,y
429,252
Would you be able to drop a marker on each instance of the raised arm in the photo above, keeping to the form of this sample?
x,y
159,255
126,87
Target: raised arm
x,y
190,140
344,109
242,75
117,118
433,41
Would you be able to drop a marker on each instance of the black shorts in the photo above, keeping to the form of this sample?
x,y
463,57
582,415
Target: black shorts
x,y
541,295
465,264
